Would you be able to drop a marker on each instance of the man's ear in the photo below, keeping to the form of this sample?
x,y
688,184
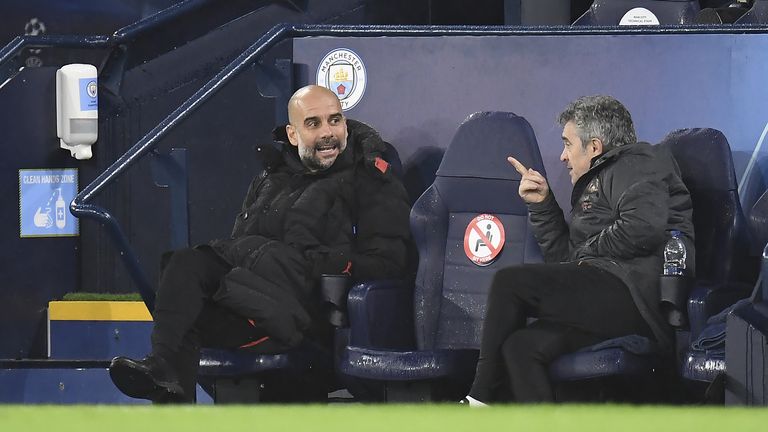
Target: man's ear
x,y
596,144
291,132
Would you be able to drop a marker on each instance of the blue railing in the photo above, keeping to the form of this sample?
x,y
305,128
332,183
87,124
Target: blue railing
x,y
171,13
9,55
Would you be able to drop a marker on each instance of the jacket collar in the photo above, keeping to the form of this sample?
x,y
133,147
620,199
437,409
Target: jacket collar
x,y
596,165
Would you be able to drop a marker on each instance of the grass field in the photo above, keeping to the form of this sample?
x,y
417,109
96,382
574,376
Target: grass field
x,y
375,418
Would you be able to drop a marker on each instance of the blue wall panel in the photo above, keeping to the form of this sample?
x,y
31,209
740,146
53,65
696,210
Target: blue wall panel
x,y
99,340
419,89
34,270
62,385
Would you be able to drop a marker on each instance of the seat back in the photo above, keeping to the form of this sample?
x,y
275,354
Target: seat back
x,y
706,166
758,221
758,14
758,228
474,178
746,335
665,12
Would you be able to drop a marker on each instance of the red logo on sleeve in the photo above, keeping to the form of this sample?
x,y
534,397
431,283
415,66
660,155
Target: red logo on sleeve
x,y
381,164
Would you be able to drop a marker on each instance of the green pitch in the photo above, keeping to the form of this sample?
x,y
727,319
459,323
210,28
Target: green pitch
x,y
375,418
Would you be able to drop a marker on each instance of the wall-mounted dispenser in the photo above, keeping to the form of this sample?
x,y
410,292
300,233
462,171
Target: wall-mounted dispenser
x,y
77,108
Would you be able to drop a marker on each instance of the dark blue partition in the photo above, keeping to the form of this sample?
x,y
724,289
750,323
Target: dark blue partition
x,y
418,89
33,270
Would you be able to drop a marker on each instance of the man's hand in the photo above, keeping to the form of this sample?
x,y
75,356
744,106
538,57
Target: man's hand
x,y
43,220
533,185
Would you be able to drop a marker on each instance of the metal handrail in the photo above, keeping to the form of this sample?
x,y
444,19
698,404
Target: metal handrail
x,y
81,206
158,19
121,36
132,31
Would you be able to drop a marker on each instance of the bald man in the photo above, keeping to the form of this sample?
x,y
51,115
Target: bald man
x,y
327,203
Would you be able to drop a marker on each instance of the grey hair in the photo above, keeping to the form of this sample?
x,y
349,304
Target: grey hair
x,y
601,117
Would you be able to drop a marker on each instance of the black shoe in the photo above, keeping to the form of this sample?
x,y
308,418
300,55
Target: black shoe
x,y
150,378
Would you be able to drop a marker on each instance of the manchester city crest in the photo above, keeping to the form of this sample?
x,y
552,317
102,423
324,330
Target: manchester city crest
x,y
343,72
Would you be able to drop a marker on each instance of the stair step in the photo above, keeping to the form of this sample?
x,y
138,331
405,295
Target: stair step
x,y
58,382
64,382
98,330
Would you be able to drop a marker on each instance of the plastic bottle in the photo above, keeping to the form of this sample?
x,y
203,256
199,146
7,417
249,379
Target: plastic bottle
x,y
674,255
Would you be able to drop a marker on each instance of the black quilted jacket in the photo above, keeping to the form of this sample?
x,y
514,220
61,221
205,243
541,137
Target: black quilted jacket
x,y
623,210
295,225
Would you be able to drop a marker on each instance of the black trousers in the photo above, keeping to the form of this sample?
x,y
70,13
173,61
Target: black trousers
x,y
576,306
185,317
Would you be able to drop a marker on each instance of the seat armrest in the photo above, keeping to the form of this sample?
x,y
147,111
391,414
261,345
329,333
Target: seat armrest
x,y
334,290
755,314
707,299
381,315
673,295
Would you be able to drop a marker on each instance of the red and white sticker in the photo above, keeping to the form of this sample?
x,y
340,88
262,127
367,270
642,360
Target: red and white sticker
x,y
484,239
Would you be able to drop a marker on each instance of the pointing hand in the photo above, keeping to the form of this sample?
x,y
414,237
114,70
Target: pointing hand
x,y
533,185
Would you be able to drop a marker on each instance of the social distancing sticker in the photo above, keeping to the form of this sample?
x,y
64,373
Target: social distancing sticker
x,y
484,239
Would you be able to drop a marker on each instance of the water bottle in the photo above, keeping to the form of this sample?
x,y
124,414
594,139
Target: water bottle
x,y
674,255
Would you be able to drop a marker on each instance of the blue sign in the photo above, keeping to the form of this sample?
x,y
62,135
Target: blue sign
x,y
89,92
44,197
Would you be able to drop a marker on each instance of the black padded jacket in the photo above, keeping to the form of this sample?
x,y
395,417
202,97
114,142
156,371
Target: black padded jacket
x,y
296,225
623,209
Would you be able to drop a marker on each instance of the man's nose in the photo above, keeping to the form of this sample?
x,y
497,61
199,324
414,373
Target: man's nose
x,y
326,130
563,156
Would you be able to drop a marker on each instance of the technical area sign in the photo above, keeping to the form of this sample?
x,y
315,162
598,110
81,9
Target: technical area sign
x,y
44,197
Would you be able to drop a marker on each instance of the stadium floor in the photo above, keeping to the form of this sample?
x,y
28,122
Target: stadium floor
x,y
390,418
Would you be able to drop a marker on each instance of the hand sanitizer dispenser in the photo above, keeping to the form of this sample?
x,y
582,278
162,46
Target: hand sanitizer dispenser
x,y
77,108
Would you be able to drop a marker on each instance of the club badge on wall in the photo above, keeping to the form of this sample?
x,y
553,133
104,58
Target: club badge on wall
x,y
343,72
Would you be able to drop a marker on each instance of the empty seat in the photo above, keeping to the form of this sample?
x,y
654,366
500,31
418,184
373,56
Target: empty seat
x,y
448,304
746,343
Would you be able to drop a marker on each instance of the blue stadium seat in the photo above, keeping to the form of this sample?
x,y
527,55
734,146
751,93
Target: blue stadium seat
x,y
758,14
746,341
448,302
723,269
303,374
667,12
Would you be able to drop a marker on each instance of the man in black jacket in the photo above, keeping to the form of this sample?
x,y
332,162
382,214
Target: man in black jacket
x,y
327,203
600,279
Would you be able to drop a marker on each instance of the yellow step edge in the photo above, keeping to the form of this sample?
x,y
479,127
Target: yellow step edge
x,y
98,311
